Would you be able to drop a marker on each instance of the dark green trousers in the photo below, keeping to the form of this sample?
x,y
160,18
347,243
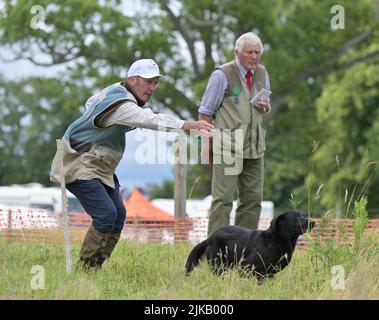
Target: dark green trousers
x,y
249,185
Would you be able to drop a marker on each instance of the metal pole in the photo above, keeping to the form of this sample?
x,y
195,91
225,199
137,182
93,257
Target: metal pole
x,y
64,209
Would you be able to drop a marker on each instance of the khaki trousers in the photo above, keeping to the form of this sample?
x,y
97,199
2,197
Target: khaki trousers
x,y
249,185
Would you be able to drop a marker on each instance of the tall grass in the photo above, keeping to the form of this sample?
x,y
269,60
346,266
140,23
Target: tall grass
x,y
358,260
156,271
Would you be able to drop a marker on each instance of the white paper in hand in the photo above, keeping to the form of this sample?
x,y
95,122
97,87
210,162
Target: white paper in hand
x,y
263,94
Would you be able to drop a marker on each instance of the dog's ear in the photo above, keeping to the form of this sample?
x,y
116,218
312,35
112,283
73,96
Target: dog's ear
x,y
276,223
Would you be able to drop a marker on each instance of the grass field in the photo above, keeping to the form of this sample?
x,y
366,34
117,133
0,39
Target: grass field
x,y
154,271
329,270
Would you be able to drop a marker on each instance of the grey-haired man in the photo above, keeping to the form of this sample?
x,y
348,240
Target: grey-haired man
x,y
94,144
226,103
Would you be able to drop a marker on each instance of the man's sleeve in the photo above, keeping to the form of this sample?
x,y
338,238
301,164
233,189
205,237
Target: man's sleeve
x,y
130,114
214,93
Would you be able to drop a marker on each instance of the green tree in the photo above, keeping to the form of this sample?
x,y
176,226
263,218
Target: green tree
x,y
34,112
165,190
97,41
346,162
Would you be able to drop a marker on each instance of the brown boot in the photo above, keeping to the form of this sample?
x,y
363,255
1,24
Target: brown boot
x,y
106,251
92,247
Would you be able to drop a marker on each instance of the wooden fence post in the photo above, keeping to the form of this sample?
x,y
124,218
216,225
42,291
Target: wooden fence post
x,y
180,183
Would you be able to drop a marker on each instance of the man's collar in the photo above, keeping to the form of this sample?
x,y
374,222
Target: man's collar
x,y
242,69
126,86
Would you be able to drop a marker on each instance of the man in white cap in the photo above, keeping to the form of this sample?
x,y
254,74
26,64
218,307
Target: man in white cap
x,y
94,144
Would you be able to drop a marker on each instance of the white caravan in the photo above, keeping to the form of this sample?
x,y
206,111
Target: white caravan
x,y
36,196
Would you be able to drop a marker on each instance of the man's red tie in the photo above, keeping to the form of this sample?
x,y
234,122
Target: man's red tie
x,y
249,80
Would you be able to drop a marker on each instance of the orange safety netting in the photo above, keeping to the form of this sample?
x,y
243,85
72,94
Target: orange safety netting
x,y
44,226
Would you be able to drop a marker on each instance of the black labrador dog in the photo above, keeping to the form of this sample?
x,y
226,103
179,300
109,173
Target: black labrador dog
x,y
261,253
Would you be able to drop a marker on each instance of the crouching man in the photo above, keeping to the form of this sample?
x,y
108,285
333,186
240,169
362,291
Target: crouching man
x,y
93,145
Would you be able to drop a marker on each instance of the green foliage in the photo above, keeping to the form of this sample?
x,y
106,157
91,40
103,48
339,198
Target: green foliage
x,y
324,83
36,114
360,216
199,181
165,190
290,142
198,184
339,251
347,159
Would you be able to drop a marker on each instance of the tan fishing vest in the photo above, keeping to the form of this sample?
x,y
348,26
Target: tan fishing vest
x,y
236,112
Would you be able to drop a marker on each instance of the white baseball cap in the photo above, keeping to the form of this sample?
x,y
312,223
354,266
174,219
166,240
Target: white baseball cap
x,y
145,68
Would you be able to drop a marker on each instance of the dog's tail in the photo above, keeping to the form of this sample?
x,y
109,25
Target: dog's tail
x,y
195,255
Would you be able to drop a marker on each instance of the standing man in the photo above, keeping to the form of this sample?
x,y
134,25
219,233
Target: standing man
x,y
226,103
94,144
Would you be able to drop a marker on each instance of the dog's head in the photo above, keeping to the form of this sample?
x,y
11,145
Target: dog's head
x,y
291,224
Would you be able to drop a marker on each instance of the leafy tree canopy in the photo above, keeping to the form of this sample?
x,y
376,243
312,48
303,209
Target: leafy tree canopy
x,y
323,80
